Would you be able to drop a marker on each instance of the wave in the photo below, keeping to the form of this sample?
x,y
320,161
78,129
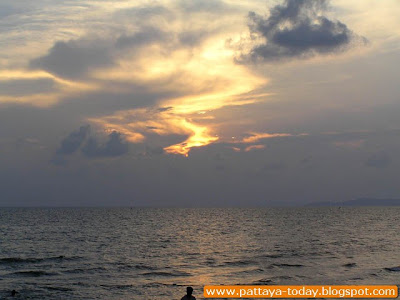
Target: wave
x,y
281,278
20,260
88,270
34,273
262,281
160,284
59,288
238,263
251,271
271,256
167,274
117,286
393,269
284,265
136,267
350,265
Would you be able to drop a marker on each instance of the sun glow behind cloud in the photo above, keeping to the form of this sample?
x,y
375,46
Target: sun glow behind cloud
x,y
200,136
210,81
173,61
27,86
170,51
104,100
256,136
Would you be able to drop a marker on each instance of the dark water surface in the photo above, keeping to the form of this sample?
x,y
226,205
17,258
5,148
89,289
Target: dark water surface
x,y
125,253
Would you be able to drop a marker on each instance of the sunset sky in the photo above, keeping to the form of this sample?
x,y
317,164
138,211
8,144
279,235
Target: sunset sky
x,y
198,102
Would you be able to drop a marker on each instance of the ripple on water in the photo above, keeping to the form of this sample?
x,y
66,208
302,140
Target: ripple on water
x,y
111,254
94,270
33,260
238,263
263,281
166,274
285,265
393,269
34,273
350,265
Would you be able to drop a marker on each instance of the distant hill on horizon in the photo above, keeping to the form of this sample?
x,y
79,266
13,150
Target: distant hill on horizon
x,y
359,202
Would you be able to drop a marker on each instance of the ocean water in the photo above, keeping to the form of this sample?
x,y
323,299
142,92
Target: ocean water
x,y
149,253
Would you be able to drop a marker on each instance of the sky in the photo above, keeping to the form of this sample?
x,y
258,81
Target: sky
x,y
198,102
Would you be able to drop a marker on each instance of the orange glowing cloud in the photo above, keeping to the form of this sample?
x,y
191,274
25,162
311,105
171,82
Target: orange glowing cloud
x,y
162,123
256,136
254,147
200,136
31,92
354,144
194,79
209,80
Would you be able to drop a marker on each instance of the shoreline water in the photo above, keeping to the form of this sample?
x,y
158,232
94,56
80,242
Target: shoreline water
x,y
124,253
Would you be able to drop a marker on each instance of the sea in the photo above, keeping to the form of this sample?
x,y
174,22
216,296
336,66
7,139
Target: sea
x,y
155,253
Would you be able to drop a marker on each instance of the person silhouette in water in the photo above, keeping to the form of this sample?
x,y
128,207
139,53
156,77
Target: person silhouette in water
x,y
188,296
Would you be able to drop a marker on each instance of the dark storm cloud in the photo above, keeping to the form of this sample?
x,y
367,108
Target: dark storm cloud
x,y
74,58
89,145
115,146
73,141
378,160
296,29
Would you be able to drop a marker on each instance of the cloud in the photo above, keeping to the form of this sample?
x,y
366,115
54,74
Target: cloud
x,y
351,144
220,167
22,87
273,166
78,58
201,6
74,58
254,147
152,56
6,10
150,151
192,38
59,160
146,36
89,145
296,29
115,146
73,141
256,136
378,160
145,13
